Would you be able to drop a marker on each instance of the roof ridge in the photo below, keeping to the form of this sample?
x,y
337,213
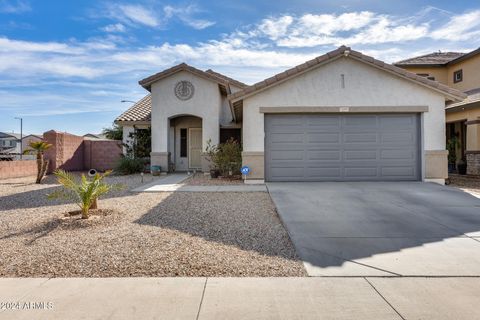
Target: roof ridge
x,y
148,81
346,51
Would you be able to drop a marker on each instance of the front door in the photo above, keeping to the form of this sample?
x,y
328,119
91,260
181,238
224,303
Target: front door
x,y
195,148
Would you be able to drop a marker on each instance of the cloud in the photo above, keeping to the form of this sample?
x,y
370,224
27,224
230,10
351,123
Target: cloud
x,y
460,27
18,6
139,14
153,15
185,14
117,27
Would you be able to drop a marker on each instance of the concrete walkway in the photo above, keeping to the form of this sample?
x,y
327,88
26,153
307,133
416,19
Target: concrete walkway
x,y
240,298
173,183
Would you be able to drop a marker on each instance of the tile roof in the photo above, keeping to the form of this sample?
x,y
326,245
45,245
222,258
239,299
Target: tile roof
x,y
228,79
345,51
213,76
473,97
435,58
140,111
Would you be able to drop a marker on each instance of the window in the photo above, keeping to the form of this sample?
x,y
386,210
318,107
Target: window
x,y
458,76
183,143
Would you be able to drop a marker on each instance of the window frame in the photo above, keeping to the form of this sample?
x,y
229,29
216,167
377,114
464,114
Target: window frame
x,y
460,73
183,143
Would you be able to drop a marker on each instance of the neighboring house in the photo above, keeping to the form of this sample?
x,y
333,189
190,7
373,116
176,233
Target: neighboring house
x,y
10,144
98,136
460,71
343,116
26,140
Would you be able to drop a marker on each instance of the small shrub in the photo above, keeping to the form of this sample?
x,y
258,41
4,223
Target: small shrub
x,y
226,157
130,165
84,192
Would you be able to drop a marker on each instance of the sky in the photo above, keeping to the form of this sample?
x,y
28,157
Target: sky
x,y
66,65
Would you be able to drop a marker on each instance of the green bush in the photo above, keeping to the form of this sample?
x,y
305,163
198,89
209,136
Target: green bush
x,y
225,157
129,165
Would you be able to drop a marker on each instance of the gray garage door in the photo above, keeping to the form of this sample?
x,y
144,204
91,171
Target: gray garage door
x,y
337,147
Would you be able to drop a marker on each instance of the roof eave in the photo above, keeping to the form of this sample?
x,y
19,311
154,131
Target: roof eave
x,y
132,122
420,65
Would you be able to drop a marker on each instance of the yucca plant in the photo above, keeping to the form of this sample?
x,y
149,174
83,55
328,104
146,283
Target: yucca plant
x,y
84,192
39,148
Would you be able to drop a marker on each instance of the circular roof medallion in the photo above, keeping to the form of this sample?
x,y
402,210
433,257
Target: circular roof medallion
x,y
184,90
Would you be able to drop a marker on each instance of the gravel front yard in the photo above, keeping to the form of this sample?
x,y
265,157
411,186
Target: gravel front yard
x,y
468,184
142,234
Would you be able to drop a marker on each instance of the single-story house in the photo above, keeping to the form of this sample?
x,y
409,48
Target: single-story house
x,y
458,70
342,116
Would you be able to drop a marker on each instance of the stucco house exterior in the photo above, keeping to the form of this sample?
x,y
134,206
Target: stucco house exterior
x,y
342,116
460,71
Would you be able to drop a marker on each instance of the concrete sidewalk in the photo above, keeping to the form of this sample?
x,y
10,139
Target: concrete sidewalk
x,y
241,298
173,183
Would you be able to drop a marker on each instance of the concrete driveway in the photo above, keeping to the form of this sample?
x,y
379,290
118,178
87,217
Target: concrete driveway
x,y
381,228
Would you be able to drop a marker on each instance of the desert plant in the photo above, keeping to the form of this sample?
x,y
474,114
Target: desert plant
x,y
130,165
226,157
452,144
115,132
39,148
85,192
141,144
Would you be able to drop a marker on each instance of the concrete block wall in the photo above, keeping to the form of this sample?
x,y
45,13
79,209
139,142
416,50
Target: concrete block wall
x,y
66,152
18,168
101,154
74,153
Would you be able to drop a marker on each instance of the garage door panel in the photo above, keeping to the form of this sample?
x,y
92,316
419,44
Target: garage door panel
x,y
316,147
360,155
360,121
398,154
324,122
287,155
323,137
314,173
287,138
362,137
287,171
361,172
398,171
323,155
399,137
403,121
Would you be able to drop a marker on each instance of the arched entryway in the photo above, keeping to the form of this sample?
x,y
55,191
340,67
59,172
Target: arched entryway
x,y
185,143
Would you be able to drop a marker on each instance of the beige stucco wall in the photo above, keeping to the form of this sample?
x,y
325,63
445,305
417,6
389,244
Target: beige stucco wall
x,y
440,73
364,86
473,130
471,74
206,103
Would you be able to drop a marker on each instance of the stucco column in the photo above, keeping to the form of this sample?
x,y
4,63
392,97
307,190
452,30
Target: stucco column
x,y
160,155
210,131
126,137
473,147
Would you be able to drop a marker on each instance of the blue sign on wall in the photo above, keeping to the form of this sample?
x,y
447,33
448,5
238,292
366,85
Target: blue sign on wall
x,y
245,170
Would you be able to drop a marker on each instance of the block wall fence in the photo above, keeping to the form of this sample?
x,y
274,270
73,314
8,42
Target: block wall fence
x,y
68,152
